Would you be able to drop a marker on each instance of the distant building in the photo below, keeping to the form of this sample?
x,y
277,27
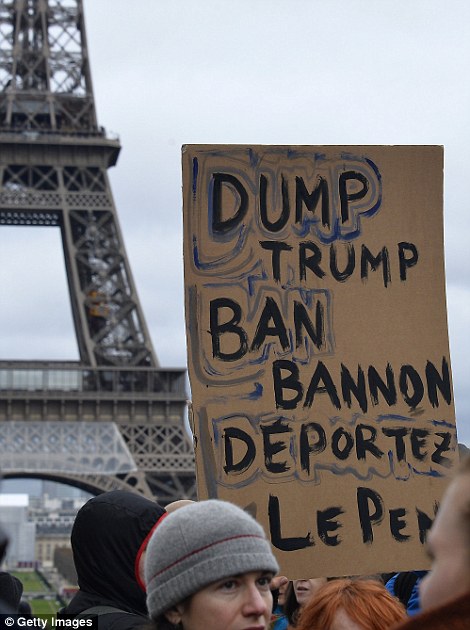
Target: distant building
x,y
36,526
54,518
20,531
56,490
48,538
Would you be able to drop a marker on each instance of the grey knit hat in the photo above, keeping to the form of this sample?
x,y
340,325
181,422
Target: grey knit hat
x,y
200,544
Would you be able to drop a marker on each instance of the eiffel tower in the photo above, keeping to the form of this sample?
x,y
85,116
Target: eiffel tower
x,y
115,418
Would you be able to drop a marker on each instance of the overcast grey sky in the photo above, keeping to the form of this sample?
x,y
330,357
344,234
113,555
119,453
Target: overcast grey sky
x,y
170,72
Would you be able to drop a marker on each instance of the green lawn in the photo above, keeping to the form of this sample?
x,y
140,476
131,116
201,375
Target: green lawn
x,y
30,580
32,583
44,606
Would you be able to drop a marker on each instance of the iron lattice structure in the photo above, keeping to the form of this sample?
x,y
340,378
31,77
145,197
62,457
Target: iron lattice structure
x,y
53,172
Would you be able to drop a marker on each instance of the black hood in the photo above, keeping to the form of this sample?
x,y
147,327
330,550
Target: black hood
x,y
107,534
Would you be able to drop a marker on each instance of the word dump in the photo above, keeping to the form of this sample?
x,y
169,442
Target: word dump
x,y
335,200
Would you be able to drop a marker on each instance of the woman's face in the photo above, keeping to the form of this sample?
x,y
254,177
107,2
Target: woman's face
x,y
304,589
240,602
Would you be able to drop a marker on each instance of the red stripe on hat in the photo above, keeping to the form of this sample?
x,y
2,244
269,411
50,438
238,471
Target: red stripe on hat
x,y
142,549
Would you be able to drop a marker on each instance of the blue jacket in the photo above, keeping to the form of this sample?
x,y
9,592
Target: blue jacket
x,y
280,621
413,606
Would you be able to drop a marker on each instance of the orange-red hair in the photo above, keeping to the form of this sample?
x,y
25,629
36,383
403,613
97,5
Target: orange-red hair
x,y
366,602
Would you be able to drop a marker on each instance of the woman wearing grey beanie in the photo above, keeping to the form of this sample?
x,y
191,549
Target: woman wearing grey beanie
x,y
209,566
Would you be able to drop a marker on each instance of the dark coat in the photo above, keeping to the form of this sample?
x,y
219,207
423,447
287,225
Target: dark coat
x,y
452,616
108,536
11,589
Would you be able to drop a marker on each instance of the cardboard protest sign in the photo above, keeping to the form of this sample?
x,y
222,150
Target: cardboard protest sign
x,y
317,344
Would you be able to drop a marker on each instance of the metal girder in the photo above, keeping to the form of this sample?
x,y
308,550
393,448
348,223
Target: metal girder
x,y
84,448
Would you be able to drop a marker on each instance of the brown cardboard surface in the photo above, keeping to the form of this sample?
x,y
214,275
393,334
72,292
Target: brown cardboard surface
x,y
317,346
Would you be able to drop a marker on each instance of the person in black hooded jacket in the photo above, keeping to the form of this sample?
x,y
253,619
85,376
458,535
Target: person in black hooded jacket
x,y
109,538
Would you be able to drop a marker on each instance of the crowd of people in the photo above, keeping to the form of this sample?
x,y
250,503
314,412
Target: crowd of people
x,y
209,565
